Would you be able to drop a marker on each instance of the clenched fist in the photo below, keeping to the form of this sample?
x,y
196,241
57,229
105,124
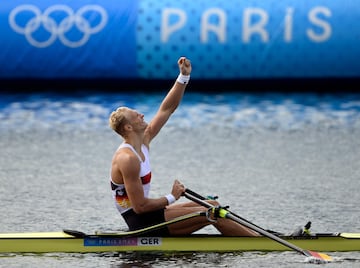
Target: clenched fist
x,y
184,66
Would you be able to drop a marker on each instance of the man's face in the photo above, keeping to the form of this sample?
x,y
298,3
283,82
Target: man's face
x,y
136,120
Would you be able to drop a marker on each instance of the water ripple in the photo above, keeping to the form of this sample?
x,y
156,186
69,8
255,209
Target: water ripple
x,y
271,111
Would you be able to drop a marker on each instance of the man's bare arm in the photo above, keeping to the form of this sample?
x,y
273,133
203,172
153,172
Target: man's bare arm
x,y
170,102
130,169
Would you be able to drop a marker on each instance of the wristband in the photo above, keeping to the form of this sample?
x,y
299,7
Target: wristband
x,y
170,198
183,79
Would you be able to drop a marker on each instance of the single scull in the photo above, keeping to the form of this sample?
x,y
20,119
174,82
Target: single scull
x,y
73,241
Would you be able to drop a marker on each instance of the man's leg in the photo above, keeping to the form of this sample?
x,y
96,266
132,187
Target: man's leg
x,y
225,226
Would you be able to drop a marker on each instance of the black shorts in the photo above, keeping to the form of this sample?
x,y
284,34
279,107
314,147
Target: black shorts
x,y
140,221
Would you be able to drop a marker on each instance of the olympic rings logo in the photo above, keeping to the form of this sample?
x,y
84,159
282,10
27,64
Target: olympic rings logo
x,y
73,21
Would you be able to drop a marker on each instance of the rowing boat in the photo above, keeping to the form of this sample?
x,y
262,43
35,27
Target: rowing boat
x,y
74,241
136,240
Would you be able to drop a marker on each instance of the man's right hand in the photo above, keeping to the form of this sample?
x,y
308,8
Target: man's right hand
x,y
178,189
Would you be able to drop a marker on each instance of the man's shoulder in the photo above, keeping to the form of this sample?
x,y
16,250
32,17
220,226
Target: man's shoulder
x,y
125,155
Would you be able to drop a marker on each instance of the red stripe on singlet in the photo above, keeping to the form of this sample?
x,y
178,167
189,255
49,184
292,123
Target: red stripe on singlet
x,y
146,179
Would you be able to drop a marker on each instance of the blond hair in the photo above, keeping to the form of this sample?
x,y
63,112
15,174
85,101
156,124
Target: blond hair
x,y
117,120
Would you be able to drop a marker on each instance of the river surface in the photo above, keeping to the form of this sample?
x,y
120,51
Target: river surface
x,y
278,159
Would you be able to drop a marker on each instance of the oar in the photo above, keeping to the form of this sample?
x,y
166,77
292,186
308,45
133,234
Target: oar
x,y
139,231
214,198
224,213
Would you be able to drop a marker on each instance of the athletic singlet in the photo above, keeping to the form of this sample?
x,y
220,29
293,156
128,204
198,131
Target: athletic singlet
x,y
121,199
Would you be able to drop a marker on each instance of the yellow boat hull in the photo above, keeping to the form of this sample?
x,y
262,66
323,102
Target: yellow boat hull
x,y
63,242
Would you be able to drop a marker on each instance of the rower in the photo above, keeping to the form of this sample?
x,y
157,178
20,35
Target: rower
x,y
131,176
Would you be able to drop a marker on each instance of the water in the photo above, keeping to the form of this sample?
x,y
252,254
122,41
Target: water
x,y
278,160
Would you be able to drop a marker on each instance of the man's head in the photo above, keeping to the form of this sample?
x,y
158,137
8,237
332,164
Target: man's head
x,y
124,120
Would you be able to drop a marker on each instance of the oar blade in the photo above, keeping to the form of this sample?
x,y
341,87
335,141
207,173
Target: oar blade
x,y
319,257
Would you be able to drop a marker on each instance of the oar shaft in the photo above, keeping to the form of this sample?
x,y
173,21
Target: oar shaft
x,y
224,213
267,234
248,224
197,195
196,199
154,227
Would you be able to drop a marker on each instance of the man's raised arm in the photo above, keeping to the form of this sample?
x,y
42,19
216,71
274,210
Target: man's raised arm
x,y
171,101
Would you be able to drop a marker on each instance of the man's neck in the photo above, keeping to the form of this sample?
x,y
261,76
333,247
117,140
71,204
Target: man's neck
x,y
135,141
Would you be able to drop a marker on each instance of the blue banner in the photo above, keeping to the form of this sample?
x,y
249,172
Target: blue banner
x,y
68,39
144,38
